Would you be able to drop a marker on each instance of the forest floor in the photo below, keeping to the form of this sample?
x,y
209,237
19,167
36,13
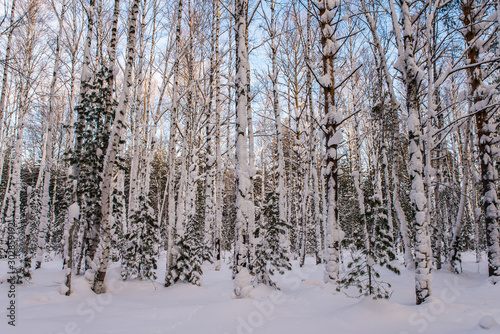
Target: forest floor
x,y
460,304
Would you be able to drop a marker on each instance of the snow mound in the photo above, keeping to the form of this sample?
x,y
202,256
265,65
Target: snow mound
x,y
488,322
243,283
63,289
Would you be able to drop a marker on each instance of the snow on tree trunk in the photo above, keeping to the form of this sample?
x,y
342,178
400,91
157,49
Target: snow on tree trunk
x,y
280,173
430,120
333,136
313,141
417,195
244,203
423,256
112,149
471,18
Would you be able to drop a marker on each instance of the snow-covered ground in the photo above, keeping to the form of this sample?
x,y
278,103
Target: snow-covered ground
x,y
303,305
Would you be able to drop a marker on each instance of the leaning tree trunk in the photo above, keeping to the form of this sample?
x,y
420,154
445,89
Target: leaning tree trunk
x,y
112,150
74,169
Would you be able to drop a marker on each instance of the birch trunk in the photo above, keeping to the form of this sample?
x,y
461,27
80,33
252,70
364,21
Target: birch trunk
x,y
423,256
74,169
251,151
403,223
219,175
23,104
457,228
244,202
470,19
210,160
172,150
280,173
44,216
333,135
112,149
3,95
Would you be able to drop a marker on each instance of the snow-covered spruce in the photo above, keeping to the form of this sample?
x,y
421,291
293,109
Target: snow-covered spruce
x,y
143,238
271,253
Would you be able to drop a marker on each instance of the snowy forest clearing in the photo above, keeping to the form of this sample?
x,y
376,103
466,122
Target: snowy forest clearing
x,y
303,305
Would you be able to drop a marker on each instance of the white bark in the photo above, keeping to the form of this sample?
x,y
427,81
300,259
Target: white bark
x,y
3,95
218,154
457,228
403,223
44,217
74,169
244,203
472,15
112,150
423,256
172,149
332,119
280,173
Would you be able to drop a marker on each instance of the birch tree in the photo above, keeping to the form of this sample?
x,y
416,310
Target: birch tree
x,y
171,229
412,79
481,106
328,17
112,150
42,228
244,202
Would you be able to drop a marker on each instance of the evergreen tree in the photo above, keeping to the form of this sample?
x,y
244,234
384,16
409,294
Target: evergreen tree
x,y
372,249
189,257
271,256
143,239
